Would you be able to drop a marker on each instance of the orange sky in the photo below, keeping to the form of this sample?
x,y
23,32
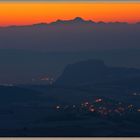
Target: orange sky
x,y
27,13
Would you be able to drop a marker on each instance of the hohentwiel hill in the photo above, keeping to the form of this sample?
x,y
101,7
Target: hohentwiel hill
x,y
92,72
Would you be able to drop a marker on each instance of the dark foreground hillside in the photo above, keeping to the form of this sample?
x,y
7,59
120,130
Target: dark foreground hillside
x,y
55,111
107,104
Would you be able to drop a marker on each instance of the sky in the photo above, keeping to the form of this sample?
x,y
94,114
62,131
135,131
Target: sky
x,y
35,11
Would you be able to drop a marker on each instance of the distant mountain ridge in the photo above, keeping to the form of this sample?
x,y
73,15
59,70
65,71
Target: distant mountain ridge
x,y
88,39
76,20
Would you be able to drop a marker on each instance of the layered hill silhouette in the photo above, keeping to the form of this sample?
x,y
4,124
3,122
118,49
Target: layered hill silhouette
x,y
74,21
92,72
62,42
71,35
11,94
77,20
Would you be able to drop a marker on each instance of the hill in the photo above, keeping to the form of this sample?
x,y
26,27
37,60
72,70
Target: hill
x,y
92,72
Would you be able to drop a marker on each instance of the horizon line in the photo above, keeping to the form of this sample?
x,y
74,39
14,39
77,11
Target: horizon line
x,y
55,21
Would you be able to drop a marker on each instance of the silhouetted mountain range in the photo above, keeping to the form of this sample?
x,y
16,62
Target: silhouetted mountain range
x,y
91,72
32,51
77,34
75,21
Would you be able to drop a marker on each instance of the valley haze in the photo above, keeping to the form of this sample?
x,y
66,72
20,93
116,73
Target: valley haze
x,y
70,78
40,50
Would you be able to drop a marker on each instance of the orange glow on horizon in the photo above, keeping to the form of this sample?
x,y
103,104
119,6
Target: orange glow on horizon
x,y
23,13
